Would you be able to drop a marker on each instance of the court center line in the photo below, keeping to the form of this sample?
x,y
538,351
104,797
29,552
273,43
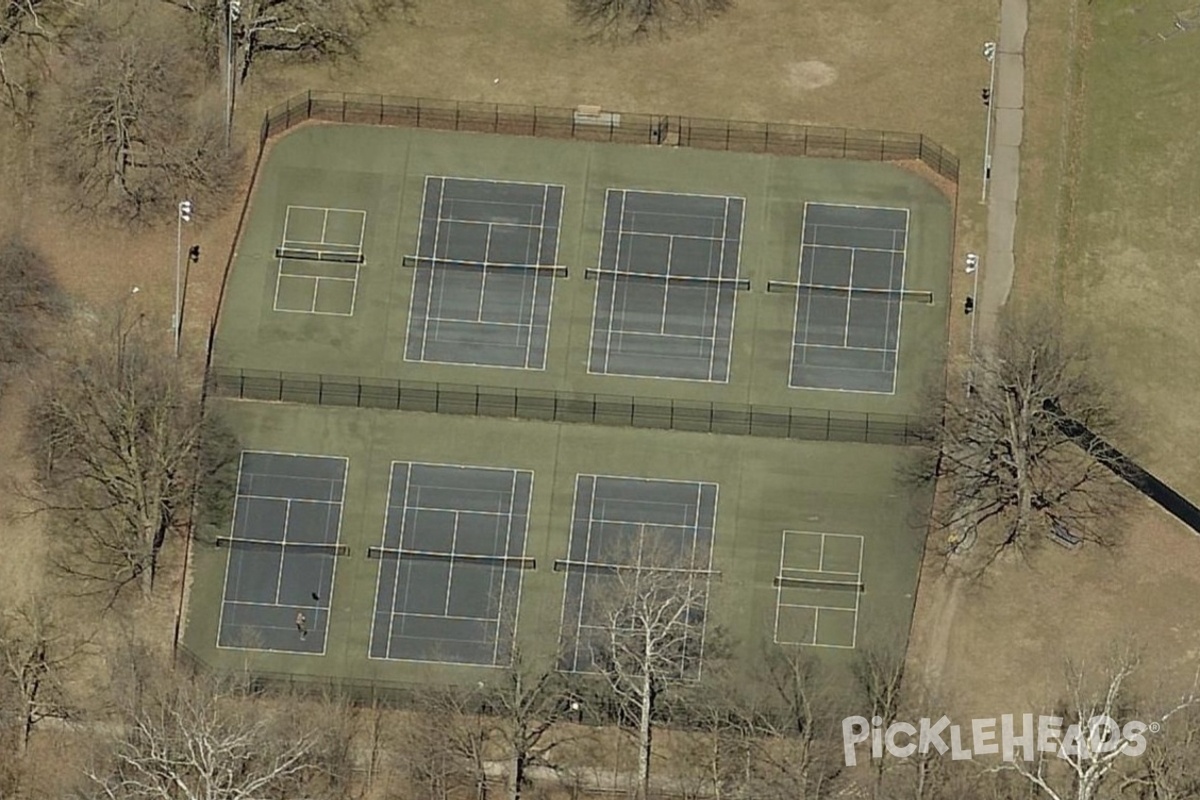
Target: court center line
x,y
450,571
662,328
487,250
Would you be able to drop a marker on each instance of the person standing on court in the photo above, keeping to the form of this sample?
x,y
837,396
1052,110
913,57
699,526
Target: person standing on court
x,y
302,624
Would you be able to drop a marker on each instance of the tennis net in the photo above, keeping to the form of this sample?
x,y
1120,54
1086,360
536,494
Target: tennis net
x,y
515,562
549,270
309,254
266,544
818,583
567,565
904,295
738,284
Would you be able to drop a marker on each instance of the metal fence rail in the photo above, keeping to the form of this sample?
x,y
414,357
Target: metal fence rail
x,y
605,126
557,406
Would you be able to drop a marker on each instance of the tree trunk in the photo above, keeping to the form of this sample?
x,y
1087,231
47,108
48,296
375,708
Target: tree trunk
x,y
516,776
644,733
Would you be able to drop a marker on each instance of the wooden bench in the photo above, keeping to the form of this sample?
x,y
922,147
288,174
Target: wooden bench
x,y
1062,536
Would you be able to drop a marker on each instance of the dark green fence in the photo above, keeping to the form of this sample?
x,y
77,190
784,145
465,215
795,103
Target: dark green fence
x,y
592,124
556,406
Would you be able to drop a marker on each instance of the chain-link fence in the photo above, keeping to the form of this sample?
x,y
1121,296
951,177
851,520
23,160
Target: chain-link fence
x,y
556,406
594,124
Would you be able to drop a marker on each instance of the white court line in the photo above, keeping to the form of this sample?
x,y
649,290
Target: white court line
x,y
487,250
512,499
850,246
562,616
900,311
437,232
823,538
662,327
400,532
612,306
693,236
849,297
238,482
587,548
455,617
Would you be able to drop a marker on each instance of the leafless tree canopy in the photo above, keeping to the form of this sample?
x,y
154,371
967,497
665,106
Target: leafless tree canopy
x,y
623,20
208,741
308,30
649,621
29,31
28,296
1009,470
36,653
121,448
134,137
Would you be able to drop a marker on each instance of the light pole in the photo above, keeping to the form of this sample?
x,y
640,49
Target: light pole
x,y
185,215
989,52
235,11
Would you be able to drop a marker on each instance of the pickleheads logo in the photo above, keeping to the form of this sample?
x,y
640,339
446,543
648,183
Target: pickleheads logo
x,y
1003,737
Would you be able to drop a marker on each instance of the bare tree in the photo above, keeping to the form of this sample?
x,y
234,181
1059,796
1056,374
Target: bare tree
x,y
1170,767
1011,468
121,447
204,740
30,31
36,652
134,136
307,30
1102,728
508,725
798,754
647,615
621,20
29,296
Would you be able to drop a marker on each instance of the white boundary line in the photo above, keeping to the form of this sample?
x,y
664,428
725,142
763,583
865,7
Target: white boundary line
x,y
817,609
592,521
429,317
562,617
611,328
229,557
392,613
796,312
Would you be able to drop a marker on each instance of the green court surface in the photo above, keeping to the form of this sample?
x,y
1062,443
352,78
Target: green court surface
x,y
814,517
347,188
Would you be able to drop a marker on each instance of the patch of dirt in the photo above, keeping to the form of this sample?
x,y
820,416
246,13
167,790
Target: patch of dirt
x,y
808,75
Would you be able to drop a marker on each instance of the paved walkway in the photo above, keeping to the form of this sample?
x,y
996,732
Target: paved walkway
x,y
1009,107
996,273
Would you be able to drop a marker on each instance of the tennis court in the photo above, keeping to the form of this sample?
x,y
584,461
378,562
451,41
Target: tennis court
x,y
319,260
666,286
484,273
626,522
283,550
450,564
819,589
849,298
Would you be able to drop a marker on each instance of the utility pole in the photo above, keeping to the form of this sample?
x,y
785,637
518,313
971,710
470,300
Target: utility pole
x,y
989,52
185,215
233,13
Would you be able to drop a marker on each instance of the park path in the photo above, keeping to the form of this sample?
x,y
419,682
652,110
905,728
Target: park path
x,y
996,274
1008,104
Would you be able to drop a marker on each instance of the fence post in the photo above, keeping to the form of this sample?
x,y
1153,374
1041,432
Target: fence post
x,y
343,106
308,108
828,424
381,107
